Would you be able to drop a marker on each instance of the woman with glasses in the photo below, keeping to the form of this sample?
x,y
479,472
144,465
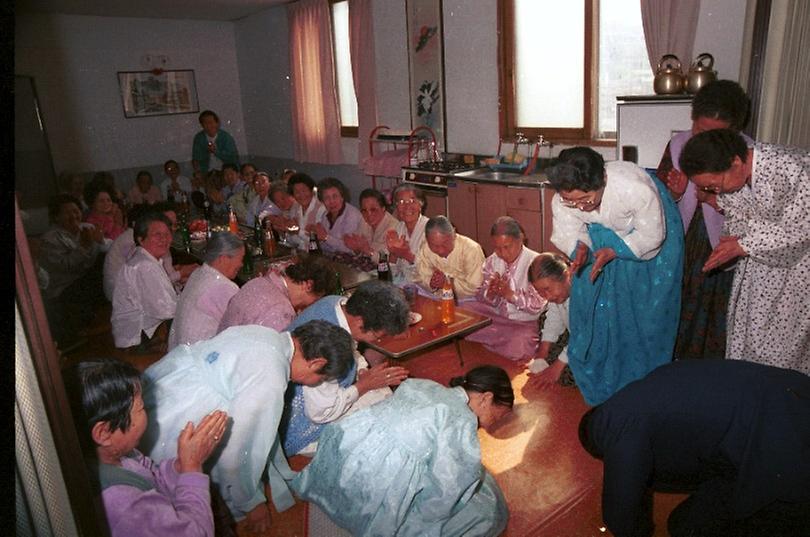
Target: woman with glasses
x,y
765,193
721,104
622,231
405,241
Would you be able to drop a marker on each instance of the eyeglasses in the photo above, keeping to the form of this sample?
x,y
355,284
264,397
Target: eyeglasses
x,y
407,201
582,204
714,189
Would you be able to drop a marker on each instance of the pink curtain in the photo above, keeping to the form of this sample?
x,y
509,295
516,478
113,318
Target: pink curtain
x,y
315,117
361,42
669,28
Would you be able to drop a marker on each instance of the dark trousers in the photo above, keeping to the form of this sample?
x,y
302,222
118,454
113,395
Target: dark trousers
x,y
76,306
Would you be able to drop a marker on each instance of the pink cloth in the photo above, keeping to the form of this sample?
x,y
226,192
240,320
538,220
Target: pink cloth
x,y
361,44
105,223
387,163
264,301
315,116
510,339
136,197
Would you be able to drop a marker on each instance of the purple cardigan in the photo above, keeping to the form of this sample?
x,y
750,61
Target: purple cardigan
x,y
142,498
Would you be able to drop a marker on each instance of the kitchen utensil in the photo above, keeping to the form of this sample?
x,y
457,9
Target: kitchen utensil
x,y
669,77
700,73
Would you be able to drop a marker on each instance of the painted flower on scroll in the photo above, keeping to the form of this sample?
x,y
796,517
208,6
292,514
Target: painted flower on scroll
x,y
426,98
425,33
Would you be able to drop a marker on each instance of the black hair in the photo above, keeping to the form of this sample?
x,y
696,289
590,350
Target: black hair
x,y
408,187
577,168
585,437
229,166
163,206
375,194
724,100
207,113
488,378
548,265
333,182
316,269
136,211
56,202
146,173
141,227
245,165
101,391
165,164
320,339
381,305
92,191
302,178
712,152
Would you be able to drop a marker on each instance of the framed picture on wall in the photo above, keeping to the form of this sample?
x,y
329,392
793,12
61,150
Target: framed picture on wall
x,y
158,93
426,59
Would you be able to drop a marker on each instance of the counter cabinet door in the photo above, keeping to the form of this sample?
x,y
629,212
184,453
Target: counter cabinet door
x,y
461,208
490,204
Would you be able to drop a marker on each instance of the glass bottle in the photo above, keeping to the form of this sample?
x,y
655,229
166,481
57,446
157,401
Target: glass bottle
x,y
269,243
207,208
258,236
185,234
383,268
247,263
233,223
448,301
339,286
314,245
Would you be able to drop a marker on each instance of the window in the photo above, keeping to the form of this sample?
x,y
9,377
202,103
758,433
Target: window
x,y
347,100
562,64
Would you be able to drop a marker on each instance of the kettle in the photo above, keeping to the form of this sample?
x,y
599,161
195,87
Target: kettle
x,y
668,76
700,74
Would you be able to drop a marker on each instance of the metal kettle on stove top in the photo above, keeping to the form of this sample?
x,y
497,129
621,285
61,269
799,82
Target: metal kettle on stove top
x,y
668,76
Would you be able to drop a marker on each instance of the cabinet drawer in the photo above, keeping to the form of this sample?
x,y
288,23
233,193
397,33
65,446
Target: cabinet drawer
x,y
527,199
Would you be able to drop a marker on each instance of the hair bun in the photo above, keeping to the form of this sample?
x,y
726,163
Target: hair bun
x,y
457,381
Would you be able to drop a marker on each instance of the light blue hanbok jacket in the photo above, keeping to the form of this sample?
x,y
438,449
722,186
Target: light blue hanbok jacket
x,y
244,371
407,466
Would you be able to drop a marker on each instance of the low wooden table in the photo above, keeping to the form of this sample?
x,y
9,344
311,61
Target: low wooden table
x,y
430,331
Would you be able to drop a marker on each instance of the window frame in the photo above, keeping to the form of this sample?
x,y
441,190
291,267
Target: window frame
x,y
345,131
506,82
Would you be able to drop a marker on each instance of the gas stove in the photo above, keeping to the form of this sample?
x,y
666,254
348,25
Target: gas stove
x,y
435,174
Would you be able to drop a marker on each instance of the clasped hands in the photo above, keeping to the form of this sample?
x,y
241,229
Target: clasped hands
x,y
195,444
499,286
397,245
728,249
602,257
357,243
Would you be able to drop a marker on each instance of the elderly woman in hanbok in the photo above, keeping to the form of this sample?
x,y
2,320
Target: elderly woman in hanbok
x,y
411,465
622,225
341,217
144,296
375,309
272,300
309,210
369,240
261,206
507,296
721,104
206,295
405,241
765,193
243,371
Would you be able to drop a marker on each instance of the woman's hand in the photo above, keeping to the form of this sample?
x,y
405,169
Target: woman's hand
x,y
676,182
602,257
437,280
728,249
493,288
320,231
257,521
194,446
710,198
547,377
379,376
580,257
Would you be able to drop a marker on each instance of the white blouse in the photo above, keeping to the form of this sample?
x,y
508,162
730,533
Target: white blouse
x,y
631,207
143,298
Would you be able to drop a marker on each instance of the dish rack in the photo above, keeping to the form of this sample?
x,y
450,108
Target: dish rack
x,y
527,164
389,151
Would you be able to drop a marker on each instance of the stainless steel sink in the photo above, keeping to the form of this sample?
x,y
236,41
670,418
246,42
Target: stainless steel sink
x,y
487,175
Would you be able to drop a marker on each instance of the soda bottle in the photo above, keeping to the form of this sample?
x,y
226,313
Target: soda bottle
x,y
185,235
258,236
339,288
448,302
247,264
207,209
269,244
383,268
314,245
233,223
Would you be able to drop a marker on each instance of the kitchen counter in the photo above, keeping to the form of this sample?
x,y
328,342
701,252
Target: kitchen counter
x,y
486,175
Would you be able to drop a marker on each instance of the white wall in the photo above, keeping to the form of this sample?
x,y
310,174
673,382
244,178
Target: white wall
x,y
74,60
720,32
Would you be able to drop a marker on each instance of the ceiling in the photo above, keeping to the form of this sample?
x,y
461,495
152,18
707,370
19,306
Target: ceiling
x,y
220,10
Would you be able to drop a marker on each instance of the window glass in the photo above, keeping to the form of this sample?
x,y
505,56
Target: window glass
x,y
343,65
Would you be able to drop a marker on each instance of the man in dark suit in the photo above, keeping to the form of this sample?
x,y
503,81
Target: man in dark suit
x,y
733,434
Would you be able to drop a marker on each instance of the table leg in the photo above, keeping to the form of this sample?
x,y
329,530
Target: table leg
x,y
457,342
